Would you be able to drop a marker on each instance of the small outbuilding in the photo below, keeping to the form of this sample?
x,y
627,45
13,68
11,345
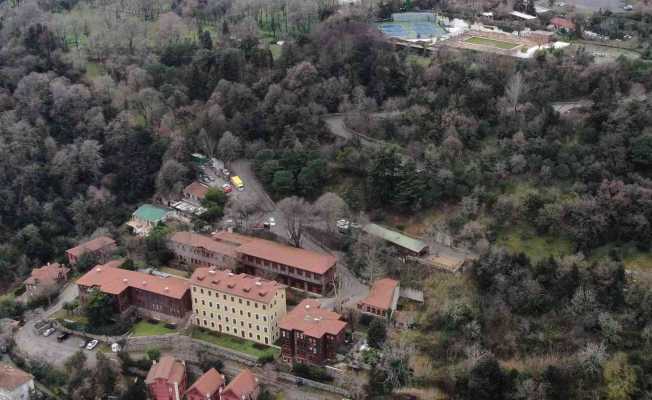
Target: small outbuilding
x,y
407,245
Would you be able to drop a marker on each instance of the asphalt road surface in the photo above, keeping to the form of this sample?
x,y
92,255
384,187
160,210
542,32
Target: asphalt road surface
x,y
48,349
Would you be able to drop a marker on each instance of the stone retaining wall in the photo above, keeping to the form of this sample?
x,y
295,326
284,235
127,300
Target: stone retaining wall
x,y
186,347
101,338
314,384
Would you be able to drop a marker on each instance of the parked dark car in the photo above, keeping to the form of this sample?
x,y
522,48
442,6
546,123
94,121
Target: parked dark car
x,y
63,337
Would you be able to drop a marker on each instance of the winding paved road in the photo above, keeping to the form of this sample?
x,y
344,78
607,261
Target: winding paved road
x,y
352,288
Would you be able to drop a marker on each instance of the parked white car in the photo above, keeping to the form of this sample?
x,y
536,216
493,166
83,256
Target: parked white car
x,y
115,347
92,344
49,331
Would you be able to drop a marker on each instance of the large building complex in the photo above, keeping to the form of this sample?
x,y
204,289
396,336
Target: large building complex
x,y
298,268
311,334
159,297
237,304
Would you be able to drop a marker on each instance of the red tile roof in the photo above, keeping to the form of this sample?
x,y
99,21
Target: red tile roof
x,y
196,240
114,281
563,23
280,253
12,377
196,189
242,285
208,384
230,244
167,368
243,385
91,246
314,321
381,294
47,274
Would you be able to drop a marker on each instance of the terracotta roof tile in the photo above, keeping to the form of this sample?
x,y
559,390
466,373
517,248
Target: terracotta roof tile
x,y
12,377
381,294
207,384
196,240
314,321
91,246
242,285
114,281
196,189
302,259
243,385
231,244
167,368
47,274
562,22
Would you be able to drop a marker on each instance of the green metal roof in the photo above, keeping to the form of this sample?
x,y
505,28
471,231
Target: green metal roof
x,y
150,213
396,238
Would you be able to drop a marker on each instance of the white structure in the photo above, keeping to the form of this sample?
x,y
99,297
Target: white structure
x,y
15,384
541,10
521,15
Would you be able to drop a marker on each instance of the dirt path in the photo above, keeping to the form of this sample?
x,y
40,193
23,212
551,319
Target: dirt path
x,y
337,126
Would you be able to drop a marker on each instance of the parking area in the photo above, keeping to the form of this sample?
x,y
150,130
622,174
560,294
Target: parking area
x,y
49,349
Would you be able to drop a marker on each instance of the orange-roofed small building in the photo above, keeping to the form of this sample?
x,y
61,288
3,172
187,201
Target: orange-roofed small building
x,y
47,277
244,386
382,299
102,247
167,379
209,386
311,334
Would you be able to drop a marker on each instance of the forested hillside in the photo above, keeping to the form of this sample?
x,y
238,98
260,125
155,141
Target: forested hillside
x,y
101,105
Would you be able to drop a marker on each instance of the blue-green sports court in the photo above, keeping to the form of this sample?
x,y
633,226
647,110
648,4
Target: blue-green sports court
x,y
413,26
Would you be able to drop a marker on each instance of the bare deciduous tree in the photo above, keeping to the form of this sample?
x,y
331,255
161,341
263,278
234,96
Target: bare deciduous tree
x,y
297,213
514,89
329,206
241,211
369,249
208,143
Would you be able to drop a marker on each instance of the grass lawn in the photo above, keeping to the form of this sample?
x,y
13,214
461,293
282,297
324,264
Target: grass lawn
x,y
144,328
537,247
491,42
234,343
